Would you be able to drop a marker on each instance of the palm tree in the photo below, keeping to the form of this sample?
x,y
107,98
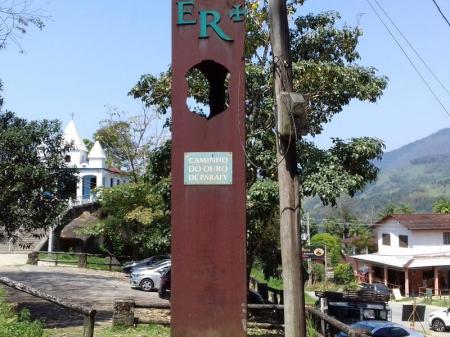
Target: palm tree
x,y
441,206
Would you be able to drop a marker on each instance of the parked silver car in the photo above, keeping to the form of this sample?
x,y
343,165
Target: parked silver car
x,y
148,279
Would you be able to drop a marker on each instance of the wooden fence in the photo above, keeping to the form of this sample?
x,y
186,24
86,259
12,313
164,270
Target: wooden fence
x,y
124,314
80,259
269,294
89,313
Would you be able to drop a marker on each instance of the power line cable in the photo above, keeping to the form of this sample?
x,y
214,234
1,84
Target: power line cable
x,y
409,59
413,49
440,11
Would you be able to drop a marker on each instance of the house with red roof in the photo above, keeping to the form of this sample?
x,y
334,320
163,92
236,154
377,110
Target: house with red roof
x,y
413,253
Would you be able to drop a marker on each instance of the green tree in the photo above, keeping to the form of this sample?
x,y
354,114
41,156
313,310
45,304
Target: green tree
x,y
343,274
137,220
136,217
363,238
128,139
333,245
34,178
441,206
327,74
393,208
318,272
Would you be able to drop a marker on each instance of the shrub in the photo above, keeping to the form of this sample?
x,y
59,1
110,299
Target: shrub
x,y
343,274
318,272
17,325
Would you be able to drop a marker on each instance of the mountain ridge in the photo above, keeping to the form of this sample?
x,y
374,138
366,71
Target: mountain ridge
x,y
417,174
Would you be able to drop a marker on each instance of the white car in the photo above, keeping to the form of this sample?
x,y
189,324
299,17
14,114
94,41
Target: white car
x,y
148,279
439,320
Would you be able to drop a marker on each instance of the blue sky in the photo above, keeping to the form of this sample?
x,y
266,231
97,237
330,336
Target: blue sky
x,y
93,51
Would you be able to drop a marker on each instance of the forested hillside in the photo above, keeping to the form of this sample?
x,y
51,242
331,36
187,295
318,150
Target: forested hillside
x,y
417,174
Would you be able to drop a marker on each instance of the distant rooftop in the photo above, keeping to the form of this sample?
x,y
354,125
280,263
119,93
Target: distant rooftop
x,y
419,221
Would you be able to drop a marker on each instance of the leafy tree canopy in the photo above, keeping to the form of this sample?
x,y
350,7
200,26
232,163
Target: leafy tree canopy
x,y
128,141
441,206
34,178
326,72
333,245
137,220
393,208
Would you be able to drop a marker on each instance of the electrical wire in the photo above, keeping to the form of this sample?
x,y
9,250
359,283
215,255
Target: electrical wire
x,y
440,11
409,59
413,49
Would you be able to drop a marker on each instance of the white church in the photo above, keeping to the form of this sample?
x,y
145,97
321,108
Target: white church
x,y
91,165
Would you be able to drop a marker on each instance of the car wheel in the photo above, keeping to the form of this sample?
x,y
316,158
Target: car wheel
x,y
146,284
438,325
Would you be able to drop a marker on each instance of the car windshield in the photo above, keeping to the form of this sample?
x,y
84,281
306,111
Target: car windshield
x,y
381,286
159,263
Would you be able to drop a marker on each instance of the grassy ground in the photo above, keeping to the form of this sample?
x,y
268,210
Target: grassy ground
x,y
443,302
93,262
276,283
141,331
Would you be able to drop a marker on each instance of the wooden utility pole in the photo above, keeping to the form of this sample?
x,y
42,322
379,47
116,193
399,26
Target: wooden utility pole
x,y
294,306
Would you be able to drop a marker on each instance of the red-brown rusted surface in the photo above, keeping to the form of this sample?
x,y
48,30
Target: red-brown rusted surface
x,y
208,222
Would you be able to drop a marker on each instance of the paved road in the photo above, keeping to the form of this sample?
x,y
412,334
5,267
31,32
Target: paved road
x,y
94,288
397,317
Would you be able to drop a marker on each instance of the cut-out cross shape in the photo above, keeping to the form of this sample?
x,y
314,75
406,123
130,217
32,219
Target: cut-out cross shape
x,y
238,13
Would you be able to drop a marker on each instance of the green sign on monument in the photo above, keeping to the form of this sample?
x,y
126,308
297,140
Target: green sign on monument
x,y
208,168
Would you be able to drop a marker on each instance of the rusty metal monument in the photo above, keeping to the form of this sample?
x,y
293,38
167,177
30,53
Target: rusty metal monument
x,y
209,290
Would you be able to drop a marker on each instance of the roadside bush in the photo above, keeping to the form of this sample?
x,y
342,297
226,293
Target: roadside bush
x,y
17,325
318,272
351,286
343,274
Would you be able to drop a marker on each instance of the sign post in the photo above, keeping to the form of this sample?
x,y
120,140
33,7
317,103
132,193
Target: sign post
x,y
209,283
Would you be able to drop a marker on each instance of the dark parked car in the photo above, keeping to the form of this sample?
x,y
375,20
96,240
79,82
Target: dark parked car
x,y
128,267
164,290
164,285
377,290
382,329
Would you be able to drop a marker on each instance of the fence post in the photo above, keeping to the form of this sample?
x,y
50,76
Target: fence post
x,y
56,260
263,290
33,258
82,261
110,263
88,326
123,312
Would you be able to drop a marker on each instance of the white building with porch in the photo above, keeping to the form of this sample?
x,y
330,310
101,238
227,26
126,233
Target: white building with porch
x,y
91,165
413,253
